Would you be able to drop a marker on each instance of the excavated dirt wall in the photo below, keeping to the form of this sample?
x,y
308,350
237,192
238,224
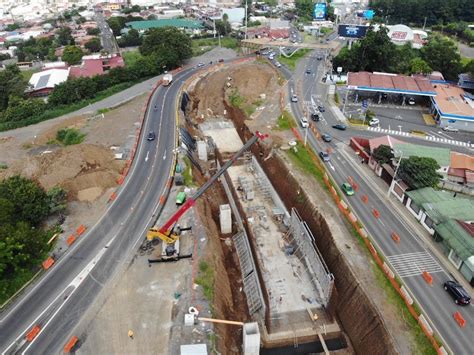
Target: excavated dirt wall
x,y
357,314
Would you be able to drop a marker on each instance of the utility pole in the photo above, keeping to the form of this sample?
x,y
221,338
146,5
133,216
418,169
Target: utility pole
x,y
390,189
246,17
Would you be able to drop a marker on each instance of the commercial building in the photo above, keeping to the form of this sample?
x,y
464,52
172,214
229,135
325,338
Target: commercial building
x,y
452,107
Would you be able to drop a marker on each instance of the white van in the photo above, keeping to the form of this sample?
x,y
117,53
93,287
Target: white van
x,y
304,122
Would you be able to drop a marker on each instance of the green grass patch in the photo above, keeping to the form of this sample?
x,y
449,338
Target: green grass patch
x,y
285,121
241,103
302,159
358,121
203,45
187,173
206,280
70,136
103,110
3,166
27,74
8,286
293,60
131,57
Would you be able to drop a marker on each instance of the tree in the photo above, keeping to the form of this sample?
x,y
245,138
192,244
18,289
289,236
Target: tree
x,y
469,68
419,172
93,31
116,23
4,56
72,55
131,39
64,36
30,202
419,66
223,28
168,45
442,54
382,154
21,109
57,199
11,83
304,9
93,45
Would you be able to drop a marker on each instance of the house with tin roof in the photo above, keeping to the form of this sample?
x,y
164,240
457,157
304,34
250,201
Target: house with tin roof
x,y
457,240
432,207
42,83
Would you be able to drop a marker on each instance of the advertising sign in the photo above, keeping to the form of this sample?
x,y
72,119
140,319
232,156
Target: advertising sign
x,y
319,11
369,14
352,31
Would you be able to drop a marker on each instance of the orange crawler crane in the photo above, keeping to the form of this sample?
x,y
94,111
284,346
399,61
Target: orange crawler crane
x,y
170,238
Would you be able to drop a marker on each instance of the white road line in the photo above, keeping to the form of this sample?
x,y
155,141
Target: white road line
x,y
146,158
413,264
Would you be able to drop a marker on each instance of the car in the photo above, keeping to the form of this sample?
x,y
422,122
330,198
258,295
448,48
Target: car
x,y
221,60
304,122
347,188
308,71
450,129
321,108
374,122
340,127
200,65
151,136
326,137
315,116
271,57
411,101
319,57
324,156
277,64
457,292
294,98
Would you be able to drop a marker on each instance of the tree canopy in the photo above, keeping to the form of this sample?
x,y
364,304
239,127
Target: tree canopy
x,y
64,36
11,84
382,154
419,172
72,55
441,54
93,45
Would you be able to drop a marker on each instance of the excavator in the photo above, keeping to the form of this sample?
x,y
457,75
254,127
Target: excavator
x,y
169,233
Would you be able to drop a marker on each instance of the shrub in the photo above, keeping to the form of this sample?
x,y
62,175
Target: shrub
x,y
70,136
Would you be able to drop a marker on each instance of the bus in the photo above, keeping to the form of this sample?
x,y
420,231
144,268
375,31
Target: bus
x,y
180,198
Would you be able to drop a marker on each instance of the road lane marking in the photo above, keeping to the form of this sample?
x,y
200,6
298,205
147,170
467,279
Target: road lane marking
x,y
146,158
414,264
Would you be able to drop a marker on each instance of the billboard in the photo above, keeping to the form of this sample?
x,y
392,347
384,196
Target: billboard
x,y
319,11
369,14
352,31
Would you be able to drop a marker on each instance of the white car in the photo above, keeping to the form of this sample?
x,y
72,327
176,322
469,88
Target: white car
x,y
277,64
411,101
294,98
450,129
374,122
304,122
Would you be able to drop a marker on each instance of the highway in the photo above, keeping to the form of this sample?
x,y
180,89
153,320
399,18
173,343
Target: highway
x,y
435,303
107,39
58,300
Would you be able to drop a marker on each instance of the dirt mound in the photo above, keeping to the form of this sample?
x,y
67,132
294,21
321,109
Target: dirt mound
x,y
85,170
248,81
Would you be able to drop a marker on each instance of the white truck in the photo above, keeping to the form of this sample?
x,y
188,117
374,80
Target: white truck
x,y
167,79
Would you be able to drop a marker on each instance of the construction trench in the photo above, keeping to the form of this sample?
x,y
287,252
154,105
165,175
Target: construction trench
x,y
297,285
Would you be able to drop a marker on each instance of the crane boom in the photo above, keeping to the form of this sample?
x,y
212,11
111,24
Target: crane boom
x,y
164,232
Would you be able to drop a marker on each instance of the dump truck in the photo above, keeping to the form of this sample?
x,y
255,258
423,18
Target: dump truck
x,y
167,79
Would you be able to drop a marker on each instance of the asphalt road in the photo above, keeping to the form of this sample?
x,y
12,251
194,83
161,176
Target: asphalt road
x,y
107,39
436,304
59,298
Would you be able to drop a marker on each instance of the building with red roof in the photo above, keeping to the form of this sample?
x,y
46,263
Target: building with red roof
x,y
96,65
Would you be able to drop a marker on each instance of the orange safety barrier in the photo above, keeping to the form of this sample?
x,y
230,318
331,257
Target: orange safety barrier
x,y
47,263
365,198
355,186
162,200
395,237
120,180
70,344
428,278
376,213
33,333
329,150
80,230
113,196
459,318
71,239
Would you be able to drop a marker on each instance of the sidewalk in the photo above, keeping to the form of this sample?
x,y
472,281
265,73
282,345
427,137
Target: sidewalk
x,y
424,237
